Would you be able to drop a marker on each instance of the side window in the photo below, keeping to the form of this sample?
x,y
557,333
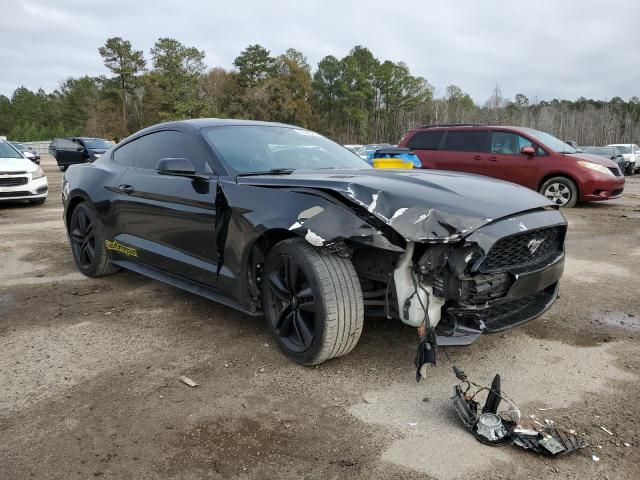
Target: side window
x,y
425,140
169,144
472,141
507,143
125,154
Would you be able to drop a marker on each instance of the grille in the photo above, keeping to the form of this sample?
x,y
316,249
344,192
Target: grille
x,y
14,194
616,192
13,181
515,251
616,171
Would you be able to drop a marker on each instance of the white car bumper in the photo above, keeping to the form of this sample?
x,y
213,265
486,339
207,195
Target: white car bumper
x,y
22,187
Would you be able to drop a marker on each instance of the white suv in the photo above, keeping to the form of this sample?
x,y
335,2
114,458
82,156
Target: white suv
x,y
20,179
630,152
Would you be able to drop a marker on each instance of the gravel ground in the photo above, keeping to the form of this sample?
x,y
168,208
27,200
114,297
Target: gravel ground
x,y
89,368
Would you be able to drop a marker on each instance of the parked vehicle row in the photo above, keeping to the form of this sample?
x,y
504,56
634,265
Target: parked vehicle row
x,y
74,150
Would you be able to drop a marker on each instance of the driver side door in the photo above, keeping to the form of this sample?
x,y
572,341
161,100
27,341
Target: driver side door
x,y
509,164
170,219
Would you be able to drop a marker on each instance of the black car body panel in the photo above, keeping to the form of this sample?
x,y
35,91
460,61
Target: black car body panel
x,y
209,232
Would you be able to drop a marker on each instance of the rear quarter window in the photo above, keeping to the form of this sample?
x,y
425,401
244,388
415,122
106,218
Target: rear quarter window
x,y
426,140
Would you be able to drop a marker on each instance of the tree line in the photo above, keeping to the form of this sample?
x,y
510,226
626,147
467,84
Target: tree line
x,y
356,99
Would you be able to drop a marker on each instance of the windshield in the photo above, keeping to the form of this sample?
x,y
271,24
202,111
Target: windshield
x,y
257,148
602,151
551,142
98,144
20,147
624,149
7,151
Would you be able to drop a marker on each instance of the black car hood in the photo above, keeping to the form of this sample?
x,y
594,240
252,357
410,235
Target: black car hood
x,y
421,205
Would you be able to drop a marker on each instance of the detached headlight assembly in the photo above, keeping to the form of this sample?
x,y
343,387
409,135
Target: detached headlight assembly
x,y
597,167
37,174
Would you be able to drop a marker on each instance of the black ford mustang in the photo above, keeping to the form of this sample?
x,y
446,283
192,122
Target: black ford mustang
x,y
277,220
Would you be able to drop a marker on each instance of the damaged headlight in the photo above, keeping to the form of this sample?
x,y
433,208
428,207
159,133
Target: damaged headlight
x,y
37,174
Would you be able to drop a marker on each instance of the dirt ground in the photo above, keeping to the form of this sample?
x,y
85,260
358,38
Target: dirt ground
x,y
89,374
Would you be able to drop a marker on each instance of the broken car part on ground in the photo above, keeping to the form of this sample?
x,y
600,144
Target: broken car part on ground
x,y
274,219
493,428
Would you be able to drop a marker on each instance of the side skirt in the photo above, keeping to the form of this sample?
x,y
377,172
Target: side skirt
x,y
184,284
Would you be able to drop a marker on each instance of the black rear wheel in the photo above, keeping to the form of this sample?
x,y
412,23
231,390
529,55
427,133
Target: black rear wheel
x,y
312,301
87,243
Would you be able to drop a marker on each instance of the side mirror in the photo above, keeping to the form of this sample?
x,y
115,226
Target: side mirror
x,y
528,151
79,148
179,167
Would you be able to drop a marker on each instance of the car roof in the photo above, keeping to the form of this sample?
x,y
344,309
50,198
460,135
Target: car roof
x,y
472,126
199,123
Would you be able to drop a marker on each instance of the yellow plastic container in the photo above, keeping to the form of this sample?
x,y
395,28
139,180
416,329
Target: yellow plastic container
x,y
391,163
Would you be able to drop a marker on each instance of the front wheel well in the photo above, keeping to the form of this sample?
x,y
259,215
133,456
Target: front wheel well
x,y
568,177
73,203
259,251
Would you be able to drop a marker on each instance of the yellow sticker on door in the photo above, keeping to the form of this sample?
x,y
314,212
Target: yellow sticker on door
x,y
118,247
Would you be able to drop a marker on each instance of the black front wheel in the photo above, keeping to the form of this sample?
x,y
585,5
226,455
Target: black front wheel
x,y
312,301
63,168
87,243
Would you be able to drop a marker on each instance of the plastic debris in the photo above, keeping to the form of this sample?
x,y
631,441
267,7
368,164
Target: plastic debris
x,y
494,428
606,430
595,459
187,381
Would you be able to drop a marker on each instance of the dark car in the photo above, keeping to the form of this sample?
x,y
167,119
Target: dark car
x,y
73,150
525,156
612,153
277,220
28,152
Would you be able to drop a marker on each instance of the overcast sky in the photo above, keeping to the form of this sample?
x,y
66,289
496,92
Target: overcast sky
x,y
543,48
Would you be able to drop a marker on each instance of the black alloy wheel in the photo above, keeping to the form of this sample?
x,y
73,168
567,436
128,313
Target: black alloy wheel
x,y
88,242
292,305
312,301
83,240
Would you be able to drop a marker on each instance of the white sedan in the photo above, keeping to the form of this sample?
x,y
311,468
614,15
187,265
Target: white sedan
x,y
20,178
631,154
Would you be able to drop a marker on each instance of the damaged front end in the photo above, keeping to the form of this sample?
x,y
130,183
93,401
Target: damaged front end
x,y
497,277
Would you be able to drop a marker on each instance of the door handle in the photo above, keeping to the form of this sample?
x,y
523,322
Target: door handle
x,y
126,189
493,159
477,157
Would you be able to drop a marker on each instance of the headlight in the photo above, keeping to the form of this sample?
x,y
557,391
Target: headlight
x,y
597,167
37,174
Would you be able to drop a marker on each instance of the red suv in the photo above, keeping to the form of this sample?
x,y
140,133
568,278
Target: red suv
x,y
525,156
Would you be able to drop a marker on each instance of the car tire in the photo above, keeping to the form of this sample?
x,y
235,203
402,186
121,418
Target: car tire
x,y
38,201
63,168
312,301
562,191
87,240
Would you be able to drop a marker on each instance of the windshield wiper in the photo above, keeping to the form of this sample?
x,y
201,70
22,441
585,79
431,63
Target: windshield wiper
x,y
273,171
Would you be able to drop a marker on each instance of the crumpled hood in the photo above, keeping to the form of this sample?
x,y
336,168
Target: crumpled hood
x,y
10,165
421,205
